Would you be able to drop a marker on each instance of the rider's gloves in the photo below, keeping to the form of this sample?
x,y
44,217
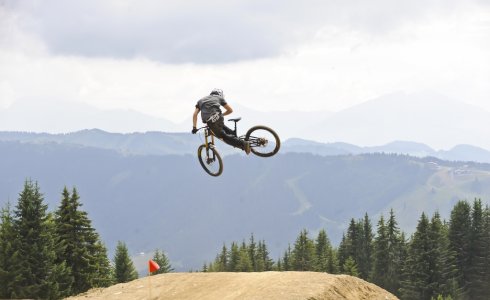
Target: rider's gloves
x,y
194,130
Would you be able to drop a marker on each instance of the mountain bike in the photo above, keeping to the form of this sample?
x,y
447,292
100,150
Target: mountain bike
x,y
264,142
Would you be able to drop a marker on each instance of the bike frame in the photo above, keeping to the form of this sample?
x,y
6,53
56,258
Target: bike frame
x,y
208,133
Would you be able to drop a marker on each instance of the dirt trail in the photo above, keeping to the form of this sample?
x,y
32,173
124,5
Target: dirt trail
x,y
227,286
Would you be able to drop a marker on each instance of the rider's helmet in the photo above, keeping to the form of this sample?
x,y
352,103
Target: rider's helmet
x,y
217,92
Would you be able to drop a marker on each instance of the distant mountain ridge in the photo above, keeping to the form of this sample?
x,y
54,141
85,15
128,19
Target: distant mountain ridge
x,y
457,153
169,202
424,117
165,143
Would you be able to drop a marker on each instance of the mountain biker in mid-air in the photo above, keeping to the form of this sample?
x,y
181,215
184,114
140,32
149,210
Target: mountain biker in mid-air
x,y
211,114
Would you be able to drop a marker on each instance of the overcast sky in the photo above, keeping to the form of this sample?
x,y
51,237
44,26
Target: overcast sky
x,y
160,57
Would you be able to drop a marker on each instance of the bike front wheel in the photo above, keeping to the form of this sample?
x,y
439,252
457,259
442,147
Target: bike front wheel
x,y
263,140
210,160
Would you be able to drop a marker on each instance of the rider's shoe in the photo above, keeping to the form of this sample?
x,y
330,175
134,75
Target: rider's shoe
x,y
246,147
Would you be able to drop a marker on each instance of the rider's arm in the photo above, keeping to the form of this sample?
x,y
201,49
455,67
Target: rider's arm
x,y
194,117
228,108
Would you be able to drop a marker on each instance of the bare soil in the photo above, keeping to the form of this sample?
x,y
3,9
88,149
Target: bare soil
x,y
225,286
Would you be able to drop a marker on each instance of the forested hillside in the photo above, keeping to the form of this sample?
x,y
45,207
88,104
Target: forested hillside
x,y
169,202
443,259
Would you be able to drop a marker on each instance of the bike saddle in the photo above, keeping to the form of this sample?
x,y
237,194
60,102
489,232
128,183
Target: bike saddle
x,y
236,119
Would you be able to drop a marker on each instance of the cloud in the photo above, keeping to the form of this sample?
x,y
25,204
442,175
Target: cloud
x,y
308,55
205,32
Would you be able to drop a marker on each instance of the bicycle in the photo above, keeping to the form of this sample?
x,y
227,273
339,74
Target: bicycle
x,y
264,142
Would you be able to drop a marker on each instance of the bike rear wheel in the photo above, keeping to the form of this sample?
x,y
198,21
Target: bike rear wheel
x,y
210,160
263,140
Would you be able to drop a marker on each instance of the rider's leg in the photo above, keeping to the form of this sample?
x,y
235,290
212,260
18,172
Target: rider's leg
x,y
228,130
219,131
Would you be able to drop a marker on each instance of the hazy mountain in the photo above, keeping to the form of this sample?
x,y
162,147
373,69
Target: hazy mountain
x,y
164,143
457,153
57,116
426,118
169,202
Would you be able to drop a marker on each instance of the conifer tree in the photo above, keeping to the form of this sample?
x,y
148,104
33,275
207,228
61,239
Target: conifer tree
x,y
8,253
303,253
103,272
124,270
79,246
486,238
365,253
252,252
287,263
322,252
358,245
35,245
418,275
244,262
441,261
380,272
395,255
222,260
234,258
263,261
333,262
460,243
479,253
162,260
350,267
343,252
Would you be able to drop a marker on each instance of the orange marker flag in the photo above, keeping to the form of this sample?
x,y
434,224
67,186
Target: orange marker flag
x,y
153,266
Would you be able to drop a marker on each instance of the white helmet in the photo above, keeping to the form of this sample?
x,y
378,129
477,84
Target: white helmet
x,y
217,92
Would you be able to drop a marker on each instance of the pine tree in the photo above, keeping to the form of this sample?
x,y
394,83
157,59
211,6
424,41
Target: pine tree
x,y
478,254
252,253
441,261
343,252
322,252
244,262
394,251
222,260
303,253
162,260
124,270
486,238
104,273
365,253
287,263
333,262
460,243
8,253
380,274
234,258
350,267
60,275
357,245
418,273
79,246
263,261
36,246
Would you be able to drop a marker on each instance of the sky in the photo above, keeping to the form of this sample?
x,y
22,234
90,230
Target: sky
x,y
160,57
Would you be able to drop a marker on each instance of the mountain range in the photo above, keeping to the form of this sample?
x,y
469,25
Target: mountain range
x,y
167,201
165,143
424,117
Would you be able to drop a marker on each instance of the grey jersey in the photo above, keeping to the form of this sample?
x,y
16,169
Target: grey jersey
x,y
210,105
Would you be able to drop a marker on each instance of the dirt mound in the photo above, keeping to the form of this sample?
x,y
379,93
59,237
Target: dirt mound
x,y
265,285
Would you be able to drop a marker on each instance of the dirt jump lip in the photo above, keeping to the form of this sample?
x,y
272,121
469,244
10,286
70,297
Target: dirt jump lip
x,y
258,285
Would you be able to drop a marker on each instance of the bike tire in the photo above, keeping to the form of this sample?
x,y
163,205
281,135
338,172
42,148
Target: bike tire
x,y
208,158
257,147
